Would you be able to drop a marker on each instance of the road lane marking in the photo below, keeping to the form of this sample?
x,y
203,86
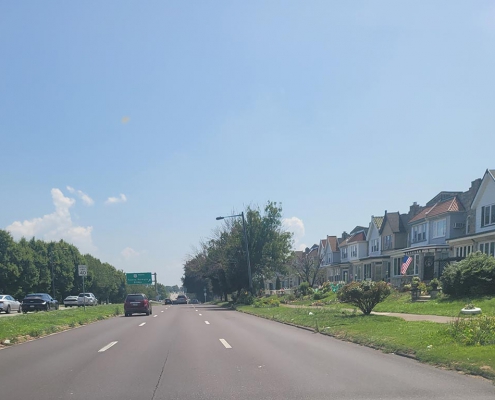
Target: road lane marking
x,y
200,314
161,311
195,309
144,323
224,342
107,347
156,315
207,323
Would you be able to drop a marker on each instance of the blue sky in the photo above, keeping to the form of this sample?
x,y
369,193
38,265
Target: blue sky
x,y
168,114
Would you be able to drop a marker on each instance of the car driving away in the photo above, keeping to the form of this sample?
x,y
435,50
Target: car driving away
x,y
39,302
9,304
181,299
137,303
167,301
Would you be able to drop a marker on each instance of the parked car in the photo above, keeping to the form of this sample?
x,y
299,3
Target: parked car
x,y
8,304
70,301
194,301
39,302
167,301
137,303
181,299
88,299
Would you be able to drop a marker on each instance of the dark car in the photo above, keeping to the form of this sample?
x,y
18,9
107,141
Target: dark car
x,y
181,299
137,303
39,302
194,301
167,301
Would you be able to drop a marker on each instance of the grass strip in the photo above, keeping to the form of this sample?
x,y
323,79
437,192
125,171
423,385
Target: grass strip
x,y
32,325
428,342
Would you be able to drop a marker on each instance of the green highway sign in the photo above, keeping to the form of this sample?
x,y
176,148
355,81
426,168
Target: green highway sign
x,y
139,278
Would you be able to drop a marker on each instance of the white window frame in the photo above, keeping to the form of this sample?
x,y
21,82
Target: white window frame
x,y
439,228
418,233
375,245
416,260
367,271
354,250
387,242
487,248
343,252
397,265
488,215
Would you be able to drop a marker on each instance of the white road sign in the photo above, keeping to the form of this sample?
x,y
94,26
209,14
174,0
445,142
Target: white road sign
x,y
83,270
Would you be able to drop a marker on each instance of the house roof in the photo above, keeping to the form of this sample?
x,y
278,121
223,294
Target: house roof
x,y
332,241
451,205
491,174
396,221
358,237
378,221
359,228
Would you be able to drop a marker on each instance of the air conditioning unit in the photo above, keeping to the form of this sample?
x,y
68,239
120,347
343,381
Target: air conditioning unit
x,y
458,225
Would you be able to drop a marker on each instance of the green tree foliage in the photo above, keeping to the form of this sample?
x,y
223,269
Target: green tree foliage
x,y
220,264
364,295
26,267
475,275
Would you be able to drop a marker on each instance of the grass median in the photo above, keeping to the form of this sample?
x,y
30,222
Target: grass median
x,y
426,341
24,327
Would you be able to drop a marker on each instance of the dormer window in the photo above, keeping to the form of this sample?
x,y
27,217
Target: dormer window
x,y
488,215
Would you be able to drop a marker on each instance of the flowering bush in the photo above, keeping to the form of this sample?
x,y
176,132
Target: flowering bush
x,y
473,331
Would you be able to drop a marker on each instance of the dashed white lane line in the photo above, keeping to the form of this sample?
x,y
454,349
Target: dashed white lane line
x,y
195,309
200,315
207,323
161,311
107,347
144,323
224,342
156,315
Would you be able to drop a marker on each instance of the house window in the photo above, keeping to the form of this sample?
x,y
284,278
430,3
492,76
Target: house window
x,y
439,228
463,251
487,248
488,215
367,271
375,245
359,272
397,265
387,242
354,250
419,233
416,265
343,252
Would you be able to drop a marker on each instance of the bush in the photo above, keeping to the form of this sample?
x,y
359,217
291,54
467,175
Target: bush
x,y
245,297
364,295
475,275
473,331
318,296
266,302
304,288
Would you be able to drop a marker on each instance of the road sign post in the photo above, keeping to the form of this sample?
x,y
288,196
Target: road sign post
x,y
83,271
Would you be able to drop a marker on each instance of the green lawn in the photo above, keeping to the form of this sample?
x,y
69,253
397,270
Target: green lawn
x,y
427,341
25,326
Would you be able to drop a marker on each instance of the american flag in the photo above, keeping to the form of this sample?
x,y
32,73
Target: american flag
x,y
405,264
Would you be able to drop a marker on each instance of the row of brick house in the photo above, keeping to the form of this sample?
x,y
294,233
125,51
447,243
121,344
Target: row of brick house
x,y
447,228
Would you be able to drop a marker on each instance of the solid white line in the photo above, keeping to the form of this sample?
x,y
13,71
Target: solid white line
x,y
144,323
224,342
207,323
107,347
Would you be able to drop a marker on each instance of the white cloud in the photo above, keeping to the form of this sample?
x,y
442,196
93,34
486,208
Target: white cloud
x,y
83,196
296,226
113,200
129,252
55,226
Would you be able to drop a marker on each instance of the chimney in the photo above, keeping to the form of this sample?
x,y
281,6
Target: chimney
x,y
414,209
345,235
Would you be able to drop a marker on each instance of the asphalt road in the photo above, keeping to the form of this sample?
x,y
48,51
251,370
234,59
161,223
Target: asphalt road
x,y
204,352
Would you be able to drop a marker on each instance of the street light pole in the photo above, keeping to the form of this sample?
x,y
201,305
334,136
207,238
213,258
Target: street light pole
x,y
247,246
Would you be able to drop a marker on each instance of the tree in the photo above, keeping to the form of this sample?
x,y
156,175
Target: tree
x,y
364,295
307,265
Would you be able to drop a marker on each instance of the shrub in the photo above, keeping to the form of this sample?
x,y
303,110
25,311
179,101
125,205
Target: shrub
x,y
326,287
245,297
364,295
318,296
304,288
473,331
266,302
475,275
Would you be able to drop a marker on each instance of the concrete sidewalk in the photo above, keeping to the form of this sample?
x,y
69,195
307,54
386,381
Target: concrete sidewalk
x,y
408,317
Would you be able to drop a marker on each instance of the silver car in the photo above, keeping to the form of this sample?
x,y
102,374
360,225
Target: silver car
x,y
8,304
70,301
88,299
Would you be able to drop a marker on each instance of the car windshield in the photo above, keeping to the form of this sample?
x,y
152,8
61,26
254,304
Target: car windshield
x,y
259,163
